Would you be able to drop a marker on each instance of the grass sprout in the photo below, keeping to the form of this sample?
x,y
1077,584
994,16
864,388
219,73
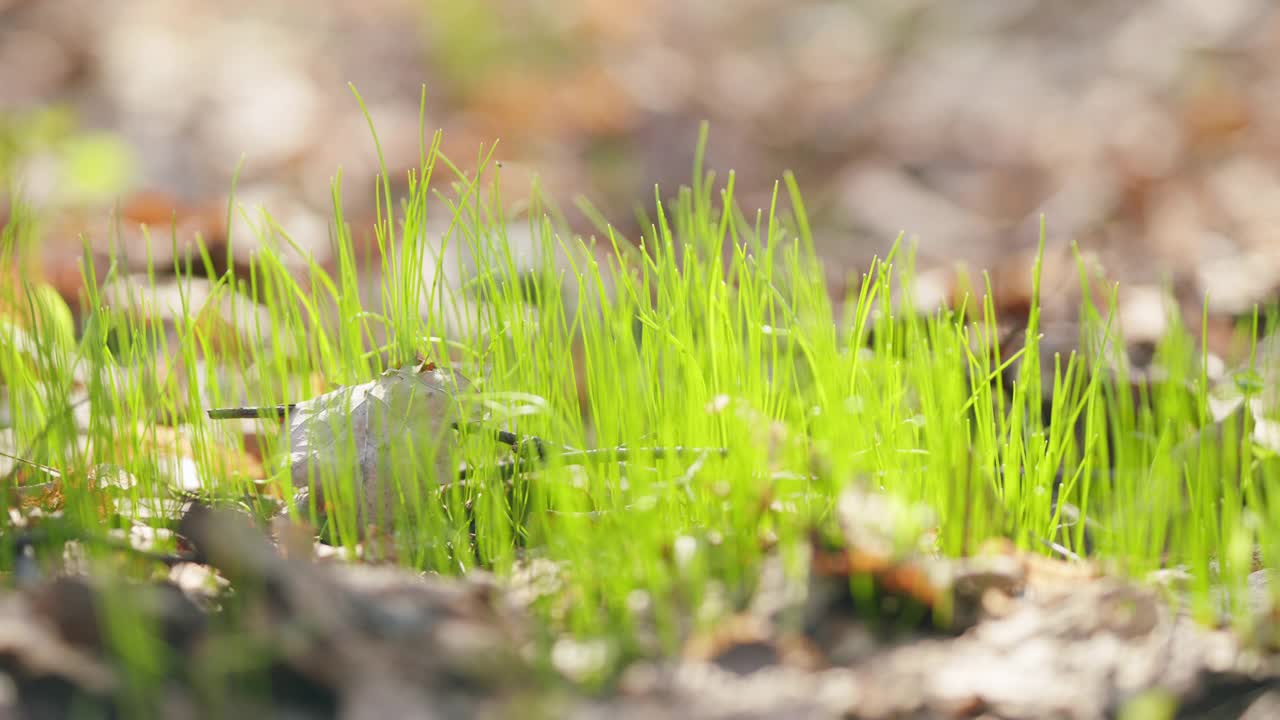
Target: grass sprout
x,y
714,330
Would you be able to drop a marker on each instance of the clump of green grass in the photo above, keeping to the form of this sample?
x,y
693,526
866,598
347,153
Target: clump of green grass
x,y
714,330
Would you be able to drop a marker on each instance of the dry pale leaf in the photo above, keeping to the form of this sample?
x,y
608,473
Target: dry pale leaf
x,y
379,445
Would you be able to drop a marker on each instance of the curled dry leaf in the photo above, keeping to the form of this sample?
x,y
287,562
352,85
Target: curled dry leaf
x,y
379,444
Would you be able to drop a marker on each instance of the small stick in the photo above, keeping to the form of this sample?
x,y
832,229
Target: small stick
x,y
509,468
273,412
505,437
623,453
31,537
53,472
1061,549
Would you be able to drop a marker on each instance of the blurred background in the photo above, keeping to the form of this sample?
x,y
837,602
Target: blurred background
x,y
1146,131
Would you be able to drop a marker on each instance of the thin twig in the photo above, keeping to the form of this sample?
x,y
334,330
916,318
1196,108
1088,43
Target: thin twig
x,y
48,426
1061,549
54,472
508,469
623,452
271,412
35,537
